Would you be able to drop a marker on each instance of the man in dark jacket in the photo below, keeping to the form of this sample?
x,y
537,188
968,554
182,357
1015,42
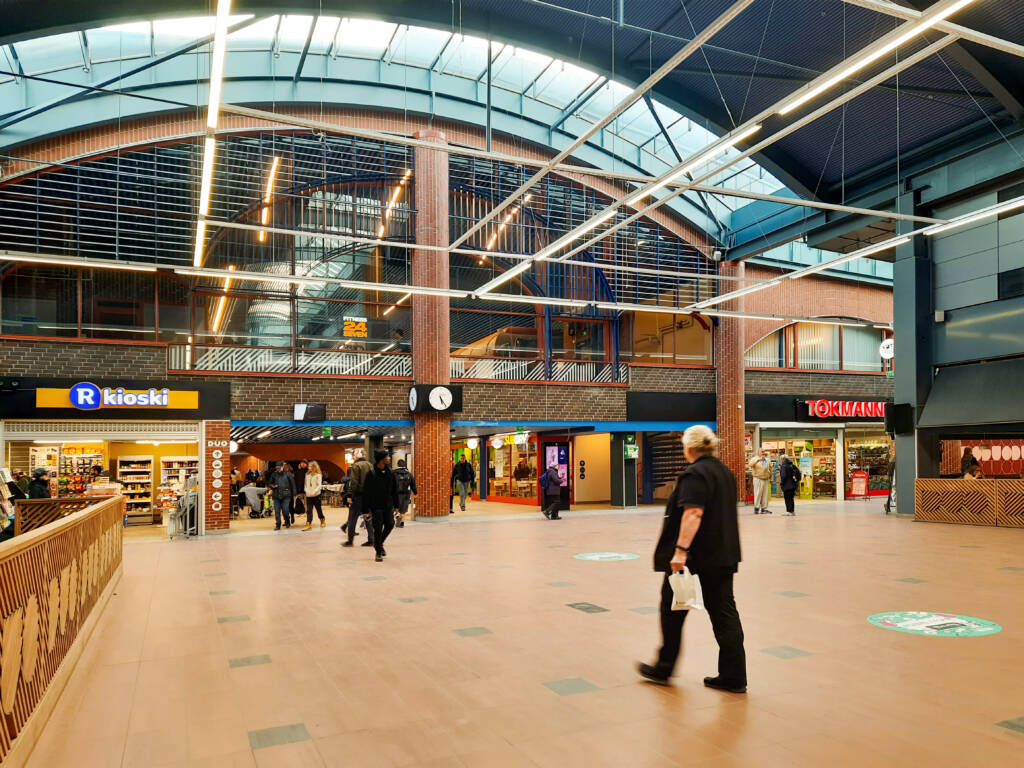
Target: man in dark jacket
x,y
39,486
701,532
299,505
552,493
463,480
282,484
357,475
406,484
789,482
380,499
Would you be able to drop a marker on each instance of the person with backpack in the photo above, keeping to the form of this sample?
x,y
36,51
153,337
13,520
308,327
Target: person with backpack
x,y
551,484
406,483
313,484
789,480
282,483
357,475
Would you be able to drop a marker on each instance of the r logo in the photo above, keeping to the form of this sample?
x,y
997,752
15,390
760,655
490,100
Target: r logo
x,y
85,396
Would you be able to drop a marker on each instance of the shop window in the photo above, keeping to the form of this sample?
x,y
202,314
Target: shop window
x,y
819,347
40,301
327,324
172,304
243,320
666,338
493,334
860,349
512,469
574,340
118,305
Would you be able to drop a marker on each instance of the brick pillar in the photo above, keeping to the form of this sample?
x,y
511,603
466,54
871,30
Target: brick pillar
x,y
729,384
216,475
430,336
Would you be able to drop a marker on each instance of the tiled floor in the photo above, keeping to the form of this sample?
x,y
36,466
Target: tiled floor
x,y
275,649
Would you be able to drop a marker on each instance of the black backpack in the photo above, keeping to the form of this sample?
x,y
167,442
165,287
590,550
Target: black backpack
x,y
403,479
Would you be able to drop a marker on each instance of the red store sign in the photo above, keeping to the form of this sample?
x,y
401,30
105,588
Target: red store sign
x,y
845,409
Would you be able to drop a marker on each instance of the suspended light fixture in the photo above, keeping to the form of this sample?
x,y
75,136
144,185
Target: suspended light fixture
x,y
971,218
265,213
222,302
391,204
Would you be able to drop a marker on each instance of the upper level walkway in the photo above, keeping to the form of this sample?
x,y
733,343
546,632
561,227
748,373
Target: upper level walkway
x,y
464,649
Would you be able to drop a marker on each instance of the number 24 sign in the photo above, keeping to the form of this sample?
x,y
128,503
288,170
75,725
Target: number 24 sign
x,y
355,328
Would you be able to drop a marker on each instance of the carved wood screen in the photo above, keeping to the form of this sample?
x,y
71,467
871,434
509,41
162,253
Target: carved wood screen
x,y
970,502
30,514
50,580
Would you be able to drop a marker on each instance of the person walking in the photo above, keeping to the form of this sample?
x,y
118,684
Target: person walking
x,y
701,532
299,505
39,485
789,480
380,499
551,484
312,485
464,480
282,484
761,468
406,483
357,475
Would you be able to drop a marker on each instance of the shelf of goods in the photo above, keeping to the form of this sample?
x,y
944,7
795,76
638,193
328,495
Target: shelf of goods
x,y
135,473
74,469
872,458
178,468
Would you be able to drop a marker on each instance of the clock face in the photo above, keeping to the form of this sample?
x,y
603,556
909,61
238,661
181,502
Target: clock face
x,y
440,398
412,399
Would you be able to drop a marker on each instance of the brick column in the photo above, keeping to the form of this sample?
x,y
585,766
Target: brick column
x,y
216,474
430,335
729,386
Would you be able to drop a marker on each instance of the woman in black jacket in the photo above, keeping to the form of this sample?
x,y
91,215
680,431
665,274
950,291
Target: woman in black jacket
x,y
39,487
282,484
789,481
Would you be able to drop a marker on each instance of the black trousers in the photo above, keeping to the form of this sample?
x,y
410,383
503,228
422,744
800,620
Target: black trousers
x,y
788,496
298,505
383,524
403,502
552,503
716,587
314,501
355,511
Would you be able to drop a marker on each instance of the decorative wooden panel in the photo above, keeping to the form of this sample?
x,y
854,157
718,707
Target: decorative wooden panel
x,y
30,514
50,581
970,502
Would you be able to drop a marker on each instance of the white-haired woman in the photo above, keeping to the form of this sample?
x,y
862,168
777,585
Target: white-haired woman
x,y
701,532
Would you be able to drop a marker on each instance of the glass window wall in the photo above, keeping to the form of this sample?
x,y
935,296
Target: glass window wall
x,y
512,468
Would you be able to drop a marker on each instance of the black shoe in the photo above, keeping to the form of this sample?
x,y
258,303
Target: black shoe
x,y
383,552
277,527
651,674
547,514
556,516
379,558
366,544
451,511
344,527
719,685
757,511
400,525
346,543
766,511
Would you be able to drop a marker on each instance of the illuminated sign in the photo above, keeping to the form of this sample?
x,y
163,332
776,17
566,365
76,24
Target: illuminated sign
x,y
845,409
86,396
355,328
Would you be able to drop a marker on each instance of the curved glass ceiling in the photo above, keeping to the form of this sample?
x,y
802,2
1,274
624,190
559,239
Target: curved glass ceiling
x,y
577,92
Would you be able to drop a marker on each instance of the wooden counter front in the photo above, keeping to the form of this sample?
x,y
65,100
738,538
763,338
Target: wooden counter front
x,y
970,502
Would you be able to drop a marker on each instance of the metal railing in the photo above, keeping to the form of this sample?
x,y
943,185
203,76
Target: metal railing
x,y
215,358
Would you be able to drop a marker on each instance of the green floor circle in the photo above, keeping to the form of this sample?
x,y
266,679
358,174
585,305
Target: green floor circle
x,y
934,624
606,556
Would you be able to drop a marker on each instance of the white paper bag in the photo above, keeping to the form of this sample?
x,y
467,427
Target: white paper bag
x,y
686,594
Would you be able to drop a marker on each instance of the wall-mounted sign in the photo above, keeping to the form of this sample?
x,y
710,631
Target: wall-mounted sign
x,y
630,451
86,396
887,349
842,410
354,328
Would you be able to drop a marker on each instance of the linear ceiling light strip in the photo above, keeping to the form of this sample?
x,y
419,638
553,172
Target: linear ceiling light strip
x,y
563,169
971,218
220,34
872,53
267,196
795,126
665,69
911,14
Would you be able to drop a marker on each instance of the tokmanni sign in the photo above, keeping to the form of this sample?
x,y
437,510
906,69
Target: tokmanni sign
x,y
840,410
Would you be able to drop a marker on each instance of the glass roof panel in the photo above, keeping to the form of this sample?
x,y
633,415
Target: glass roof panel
x,y
257,35
173,33
365,38
323,33
561,84
467,56
517,68
293,32
120,41
418,46
45,54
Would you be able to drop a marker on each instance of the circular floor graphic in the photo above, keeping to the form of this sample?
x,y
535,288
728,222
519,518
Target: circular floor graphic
x,y
935,624
606,556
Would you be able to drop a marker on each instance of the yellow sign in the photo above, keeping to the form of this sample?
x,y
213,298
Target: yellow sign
x,y
87,397
355,328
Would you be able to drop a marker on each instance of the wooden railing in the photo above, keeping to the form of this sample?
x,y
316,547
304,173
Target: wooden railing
x,y
30,514
970,502
55,581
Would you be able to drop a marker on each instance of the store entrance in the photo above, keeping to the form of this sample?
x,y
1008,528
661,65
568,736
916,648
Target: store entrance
x,y
814,452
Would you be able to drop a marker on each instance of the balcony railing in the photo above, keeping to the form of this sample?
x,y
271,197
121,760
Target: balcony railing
x,y
215,358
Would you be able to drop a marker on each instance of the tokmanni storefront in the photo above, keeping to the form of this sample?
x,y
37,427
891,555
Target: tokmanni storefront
x,y
153,441
840,444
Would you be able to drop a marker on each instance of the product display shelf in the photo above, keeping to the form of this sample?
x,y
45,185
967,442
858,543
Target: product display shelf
x,y
135,473
176,469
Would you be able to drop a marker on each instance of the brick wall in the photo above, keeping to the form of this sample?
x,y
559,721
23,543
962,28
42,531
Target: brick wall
x,y
668,379
729,385
869,386
217,471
